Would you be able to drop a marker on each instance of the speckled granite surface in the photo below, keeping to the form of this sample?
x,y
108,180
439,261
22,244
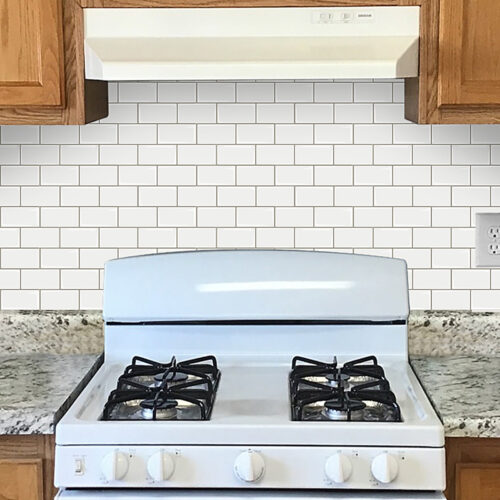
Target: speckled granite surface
x,y
37,389
55,332
431,333
443,333
464,391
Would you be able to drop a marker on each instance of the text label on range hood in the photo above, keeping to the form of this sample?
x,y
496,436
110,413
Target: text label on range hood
x,y
251,43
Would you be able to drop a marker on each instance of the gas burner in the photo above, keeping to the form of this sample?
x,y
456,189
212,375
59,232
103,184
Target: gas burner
x,y
357,391
149,390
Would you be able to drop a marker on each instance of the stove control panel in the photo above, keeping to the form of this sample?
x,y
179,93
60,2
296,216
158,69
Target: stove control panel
x,y
296,467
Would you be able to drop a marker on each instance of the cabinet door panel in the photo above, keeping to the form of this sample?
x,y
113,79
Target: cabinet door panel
x,y
469,52
31,53
21,479
478,481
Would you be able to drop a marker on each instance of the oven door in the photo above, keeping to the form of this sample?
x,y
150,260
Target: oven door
x,y
243,495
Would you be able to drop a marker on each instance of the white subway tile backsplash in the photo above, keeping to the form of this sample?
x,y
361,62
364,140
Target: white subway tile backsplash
x,y
184,165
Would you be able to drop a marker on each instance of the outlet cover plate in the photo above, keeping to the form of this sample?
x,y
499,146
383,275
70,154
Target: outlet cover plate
x,y
486,231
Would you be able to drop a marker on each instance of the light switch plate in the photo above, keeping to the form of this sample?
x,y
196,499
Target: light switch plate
x,y
488,240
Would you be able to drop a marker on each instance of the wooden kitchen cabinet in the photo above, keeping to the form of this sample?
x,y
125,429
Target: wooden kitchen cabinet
x,y
469,61
41,65
472,469
27,467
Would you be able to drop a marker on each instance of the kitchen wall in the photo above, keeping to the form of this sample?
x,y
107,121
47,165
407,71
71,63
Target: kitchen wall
x,y
323,165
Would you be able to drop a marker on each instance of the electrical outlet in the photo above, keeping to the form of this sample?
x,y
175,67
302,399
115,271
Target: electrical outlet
x,y
488,240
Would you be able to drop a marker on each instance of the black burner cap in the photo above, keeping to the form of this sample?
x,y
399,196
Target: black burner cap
x,y
159,404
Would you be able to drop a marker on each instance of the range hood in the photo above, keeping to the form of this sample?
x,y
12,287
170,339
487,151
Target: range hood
x,y
251,43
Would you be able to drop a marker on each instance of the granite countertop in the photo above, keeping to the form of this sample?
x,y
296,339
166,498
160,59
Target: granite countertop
x,y
464,391
37,389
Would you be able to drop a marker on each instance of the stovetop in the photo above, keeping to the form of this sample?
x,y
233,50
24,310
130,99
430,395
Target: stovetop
x,y
150,390
318,391
356,391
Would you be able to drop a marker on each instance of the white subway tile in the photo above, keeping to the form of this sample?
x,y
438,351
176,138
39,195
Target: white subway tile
x,y
10,196
314,196
353,113
156,113
216,92
254,92
20,216
420,299
154,155
333,92
216,134
10,155
275,196
314,155
293,134
217,216
372,216
470,278
314,113
59,258
294,92
372,175
150,196
73,196
20,258
90,299
121,155
36,237
254,175
392,155
95,258
216,175
392,237
353,196
353,155
415,257
450,258
431,278
481,300
346,237
59,216
294,175
373,92
275,154
451,134
229,196
19,175
293,217
485,134
37,155
59,134
20,299
137,91
463,237
176,92
409,133
254,134
99,134
389,113
235,237
412,216
59,175
373,134
236,113
177,134
196,237
21,134
411,175
470,155
137,134
450,175
9,237
333,134
449,300
392,196
10,279
272,113
486,176
79,279
254,216
332,216
39,278
197,113
431,237
470,196
137,175
35,196
336,175
79,237
431,196
306,237
137,216
450,217
276,237
79,155
120,113
195,196
124,196
196,154
176,175
235,155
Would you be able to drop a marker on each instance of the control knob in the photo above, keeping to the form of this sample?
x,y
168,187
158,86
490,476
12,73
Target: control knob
x,y
338,468
384,468
249,466
114,465
161,466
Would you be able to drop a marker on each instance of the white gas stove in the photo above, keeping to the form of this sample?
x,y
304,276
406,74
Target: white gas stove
x,y
253,373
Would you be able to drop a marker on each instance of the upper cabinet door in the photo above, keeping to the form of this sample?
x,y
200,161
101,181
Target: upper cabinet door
x,y
469,52
31,53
